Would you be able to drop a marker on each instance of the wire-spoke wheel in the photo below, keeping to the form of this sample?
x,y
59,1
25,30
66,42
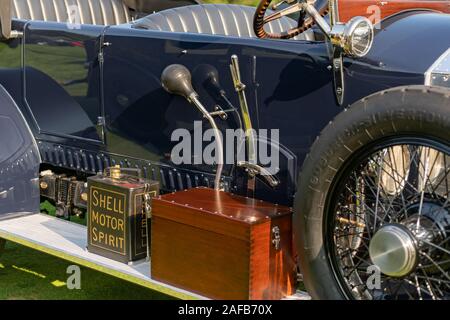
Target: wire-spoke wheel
x,y
390,218
372,212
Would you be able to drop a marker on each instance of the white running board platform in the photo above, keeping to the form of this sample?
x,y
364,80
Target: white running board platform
x,y
68,241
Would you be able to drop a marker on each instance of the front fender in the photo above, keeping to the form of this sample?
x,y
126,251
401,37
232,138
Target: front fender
x,y
410,42
19,161
405,47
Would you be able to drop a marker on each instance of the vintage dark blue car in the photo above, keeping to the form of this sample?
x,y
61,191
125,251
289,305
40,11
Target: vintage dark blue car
x,y
357,115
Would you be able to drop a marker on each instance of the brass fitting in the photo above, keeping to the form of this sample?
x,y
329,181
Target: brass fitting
x,y
114,172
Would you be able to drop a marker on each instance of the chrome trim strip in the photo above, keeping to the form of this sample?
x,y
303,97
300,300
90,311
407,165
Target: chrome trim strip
x,y
428,73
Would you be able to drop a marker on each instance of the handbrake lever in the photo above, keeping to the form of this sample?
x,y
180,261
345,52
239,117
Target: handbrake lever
x,y
256,170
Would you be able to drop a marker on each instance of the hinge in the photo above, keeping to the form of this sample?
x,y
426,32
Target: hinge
x,y
276,237
146,198
100,57
338,75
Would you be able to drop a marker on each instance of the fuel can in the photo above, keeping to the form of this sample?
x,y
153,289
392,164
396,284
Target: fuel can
x,y
119,211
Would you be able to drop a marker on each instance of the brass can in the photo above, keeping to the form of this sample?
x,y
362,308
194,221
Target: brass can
x,y
119,208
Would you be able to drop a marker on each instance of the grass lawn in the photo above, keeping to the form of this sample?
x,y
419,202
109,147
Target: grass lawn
x,y
29,274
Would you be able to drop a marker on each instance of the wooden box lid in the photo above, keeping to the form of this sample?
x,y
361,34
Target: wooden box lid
x,y
216,211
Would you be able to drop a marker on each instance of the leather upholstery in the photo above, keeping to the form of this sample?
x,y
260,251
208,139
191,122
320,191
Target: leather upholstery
x,y
101,12
220,19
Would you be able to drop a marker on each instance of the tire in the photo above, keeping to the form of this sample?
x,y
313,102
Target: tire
x,y
413,111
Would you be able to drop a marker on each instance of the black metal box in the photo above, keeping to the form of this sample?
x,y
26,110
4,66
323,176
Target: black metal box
x,y
118,208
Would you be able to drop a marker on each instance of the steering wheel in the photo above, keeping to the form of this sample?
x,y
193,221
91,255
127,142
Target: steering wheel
x,y
305,22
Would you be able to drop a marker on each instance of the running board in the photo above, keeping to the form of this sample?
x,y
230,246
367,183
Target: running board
x,y
67,240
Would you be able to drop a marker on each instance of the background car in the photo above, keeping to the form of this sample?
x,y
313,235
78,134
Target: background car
x,y
383,9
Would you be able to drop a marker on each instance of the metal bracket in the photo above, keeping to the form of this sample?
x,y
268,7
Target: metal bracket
x,y
147,208
101,128
254,169
276,240
218,111
338,75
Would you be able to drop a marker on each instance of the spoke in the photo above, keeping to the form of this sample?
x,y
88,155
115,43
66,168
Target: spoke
x,y
445,204
436,246
434,284
439,263
404,168
436,265
434,279
353,235
428,182
366,206
398,288
393,201
443,241
428,284
378,196
346,251
425,167
418,288
353,268
389,209
407,182
375,194
422,194
406,289
363,260
444,178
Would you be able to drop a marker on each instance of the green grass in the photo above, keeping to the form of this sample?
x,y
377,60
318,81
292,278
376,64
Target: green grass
x,y
50,59
29,274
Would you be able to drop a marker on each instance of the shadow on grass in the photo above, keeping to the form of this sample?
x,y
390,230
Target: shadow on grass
x,y
29,274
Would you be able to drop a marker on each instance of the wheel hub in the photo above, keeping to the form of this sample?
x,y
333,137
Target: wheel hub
x,y
393,250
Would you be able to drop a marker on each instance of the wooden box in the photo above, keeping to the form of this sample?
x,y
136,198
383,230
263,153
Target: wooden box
x,y
222,246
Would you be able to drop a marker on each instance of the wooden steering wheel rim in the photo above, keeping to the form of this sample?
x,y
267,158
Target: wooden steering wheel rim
x,y
258,23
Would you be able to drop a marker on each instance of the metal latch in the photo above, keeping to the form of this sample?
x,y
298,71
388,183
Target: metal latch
x,y
338,76
276,237
147,206
148,215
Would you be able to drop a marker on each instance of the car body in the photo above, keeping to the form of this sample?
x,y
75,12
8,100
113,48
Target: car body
x,y
131,83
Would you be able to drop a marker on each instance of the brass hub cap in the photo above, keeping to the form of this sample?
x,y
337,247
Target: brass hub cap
x,y
393,250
